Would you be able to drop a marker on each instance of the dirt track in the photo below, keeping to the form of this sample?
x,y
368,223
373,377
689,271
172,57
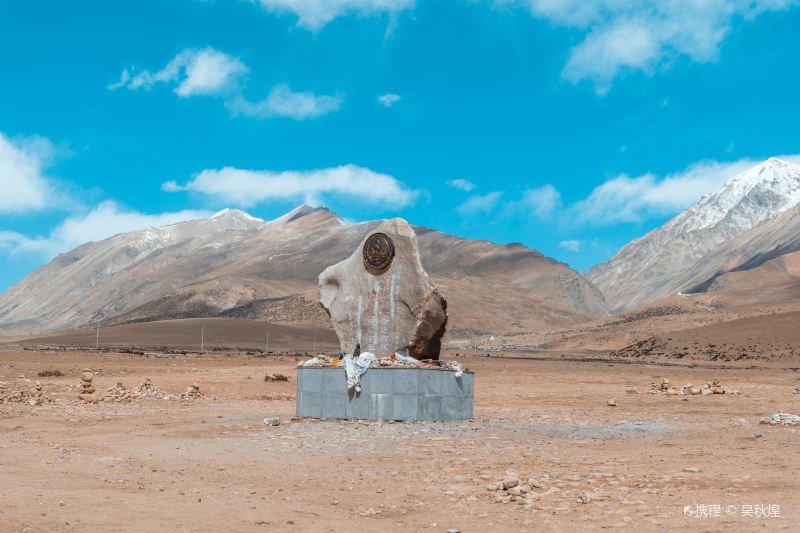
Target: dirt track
x,y
212,465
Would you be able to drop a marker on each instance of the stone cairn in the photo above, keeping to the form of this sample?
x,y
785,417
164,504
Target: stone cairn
x,y
147,389
33,396
118,393
711,387
511,489
192,393
87,391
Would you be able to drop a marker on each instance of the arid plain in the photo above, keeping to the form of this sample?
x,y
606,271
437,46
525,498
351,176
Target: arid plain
x,y
654,461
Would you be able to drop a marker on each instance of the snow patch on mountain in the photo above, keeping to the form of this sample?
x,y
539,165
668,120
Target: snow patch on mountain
x,y
234,213
646,268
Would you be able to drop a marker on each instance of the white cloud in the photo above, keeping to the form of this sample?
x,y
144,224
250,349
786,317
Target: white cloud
x,y
626,199
462,185
571,245
250,187
209,72
389,99
23,186
124,78
103,221
539,203
283,102
480,204
314,14
195,71
624,35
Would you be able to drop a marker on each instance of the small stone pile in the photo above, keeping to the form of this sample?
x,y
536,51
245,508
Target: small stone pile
x,y
147,389
118,394
272,421
275,377
512,490
710,387
781,419
86,391
663,388
32,396
797,390
192,393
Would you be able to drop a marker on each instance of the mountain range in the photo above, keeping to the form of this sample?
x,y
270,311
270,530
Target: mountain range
x,y
740,244
236,265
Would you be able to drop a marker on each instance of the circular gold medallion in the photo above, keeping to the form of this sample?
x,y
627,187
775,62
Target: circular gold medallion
x,y
378,253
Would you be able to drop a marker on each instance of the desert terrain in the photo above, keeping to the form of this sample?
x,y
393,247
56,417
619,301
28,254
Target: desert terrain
x,y
208,462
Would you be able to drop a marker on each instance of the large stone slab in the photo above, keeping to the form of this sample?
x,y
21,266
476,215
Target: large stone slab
x,y
408,394
381,298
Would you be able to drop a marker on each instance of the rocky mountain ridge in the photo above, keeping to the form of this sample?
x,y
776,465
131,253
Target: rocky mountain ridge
x,y
662,262
233,264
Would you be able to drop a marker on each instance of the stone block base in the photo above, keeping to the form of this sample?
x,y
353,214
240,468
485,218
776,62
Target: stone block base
x,y
387,394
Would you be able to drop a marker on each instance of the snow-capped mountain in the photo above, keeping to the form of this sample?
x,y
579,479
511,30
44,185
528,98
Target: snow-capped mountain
x,y
233,264
657,264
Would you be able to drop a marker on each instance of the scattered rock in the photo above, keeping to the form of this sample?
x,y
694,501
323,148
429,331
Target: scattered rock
x,y
272,421
612,402
511,480
513,490
781,419
715,386
192,393
711,387
147,389
275,377
118,393
33,395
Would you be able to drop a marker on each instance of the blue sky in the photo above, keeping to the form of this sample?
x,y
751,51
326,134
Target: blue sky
x,y
571,126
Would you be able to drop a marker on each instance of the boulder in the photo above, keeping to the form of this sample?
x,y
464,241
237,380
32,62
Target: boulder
x,y
382,299
511,480
88,398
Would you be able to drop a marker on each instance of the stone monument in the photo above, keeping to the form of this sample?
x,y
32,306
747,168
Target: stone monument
x,y
382,299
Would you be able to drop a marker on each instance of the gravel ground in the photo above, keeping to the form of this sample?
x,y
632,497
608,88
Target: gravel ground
x,y
211,464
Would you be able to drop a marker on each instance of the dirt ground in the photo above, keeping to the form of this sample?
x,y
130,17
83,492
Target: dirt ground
x,y
211,464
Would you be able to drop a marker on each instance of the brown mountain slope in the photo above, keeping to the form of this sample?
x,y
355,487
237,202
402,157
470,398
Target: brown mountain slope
x,y
775,282
234,265
763,245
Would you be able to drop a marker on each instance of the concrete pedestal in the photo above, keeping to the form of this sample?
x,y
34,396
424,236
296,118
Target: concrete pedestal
x,y
387,394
